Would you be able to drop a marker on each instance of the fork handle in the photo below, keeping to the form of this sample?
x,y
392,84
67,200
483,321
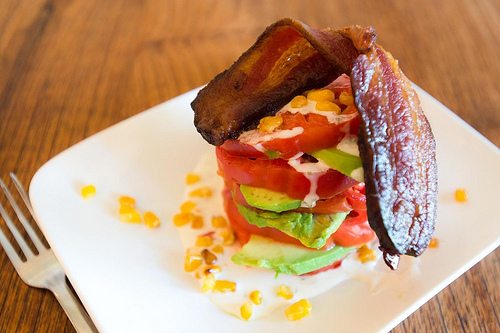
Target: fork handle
x,y
73,309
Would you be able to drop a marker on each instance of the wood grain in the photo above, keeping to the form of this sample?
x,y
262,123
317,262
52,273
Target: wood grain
x,y
69,69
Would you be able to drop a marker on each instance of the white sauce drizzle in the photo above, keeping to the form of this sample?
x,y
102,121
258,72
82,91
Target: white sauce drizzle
x,y
312,171
374,274
349,144
254,137
332,117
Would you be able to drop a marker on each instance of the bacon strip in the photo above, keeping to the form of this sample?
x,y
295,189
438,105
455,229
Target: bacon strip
x,y
396,143
398,153
287,59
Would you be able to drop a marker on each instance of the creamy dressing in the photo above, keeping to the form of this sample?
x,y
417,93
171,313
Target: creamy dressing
x,y
332,117
255,137
249,278
312,171
349,144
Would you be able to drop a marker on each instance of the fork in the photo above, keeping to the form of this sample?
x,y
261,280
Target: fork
x,y
41,270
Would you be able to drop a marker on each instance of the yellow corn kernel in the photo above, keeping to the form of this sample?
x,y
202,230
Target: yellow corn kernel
x,y
219,249
285,292
208,257
183,219
256,297
224,286
227,237
219,222
192,178
328,106
129,215
208,283
151,220
298,101
202,192
126,201
269,124
192,262
197,222
366,254
434,243
321,95
246,311
298,310
204,241
461,195
88,191
346,98
187,207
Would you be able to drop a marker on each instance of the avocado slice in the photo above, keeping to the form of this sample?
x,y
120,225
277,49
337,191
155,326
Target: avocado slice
x,y
312,230
286,258
268,200
340,161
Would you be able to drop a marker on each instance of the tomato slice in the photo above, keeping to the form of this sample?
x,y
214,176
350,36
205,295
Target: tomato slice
x,y
278,176
318,133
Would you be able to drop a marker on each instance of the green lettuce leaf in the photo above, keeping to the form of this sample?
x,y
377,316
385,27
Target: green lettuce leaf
x,y
312,230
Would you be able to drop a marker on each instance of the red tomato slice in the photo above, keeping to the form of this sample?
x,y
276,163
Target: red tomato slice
x,y
278,176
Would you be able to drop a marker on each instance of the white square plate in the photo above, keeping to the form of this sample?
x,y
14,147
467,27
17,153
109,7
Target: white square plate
x,y
130,278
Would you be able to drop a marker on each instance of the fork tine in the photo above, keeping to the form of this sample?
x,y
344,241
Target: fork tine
x,y
24,221
11,253
20,240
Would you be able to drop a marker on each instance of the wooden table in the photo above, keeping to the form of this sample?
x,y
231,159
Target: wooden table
x,y
69,69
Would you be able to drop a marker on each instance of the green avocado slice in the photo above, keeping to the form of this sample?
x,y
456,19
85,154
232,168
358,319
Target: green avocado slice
x,y
312,230
340,161
286,258
268,200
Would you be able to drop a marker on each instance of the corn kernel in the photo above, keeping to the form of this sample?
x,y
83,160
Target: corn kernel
x,y
151,220
246,311
346,98
202,192
197,222
204,241
208,283
129,215
269,124
298,310
208,257
219,222
461,195
256,297
366,254
328,106
192,262
126,201
434,243
298,101
183,219
219,249
227,237
192,178
285,292
321,95
187,207
88,191
224,286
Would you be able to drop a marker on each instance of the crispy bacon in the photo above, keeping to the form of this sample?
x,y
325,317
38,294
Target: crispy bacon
x,y
287,59
396,143
398,153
